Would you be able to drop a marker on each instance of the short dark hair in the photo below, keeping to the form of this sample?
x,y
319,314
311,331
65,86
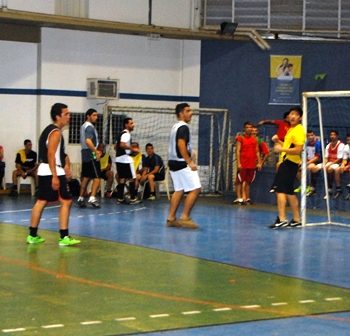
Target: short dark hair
x,y
248,123
296,109
26,141
310,131
334,131
89,112
180,107
148,145
286,114
126,121
56,110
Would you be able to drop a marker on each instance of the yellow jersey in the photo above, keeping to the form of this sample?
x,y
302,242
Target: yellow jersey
x,y
294,137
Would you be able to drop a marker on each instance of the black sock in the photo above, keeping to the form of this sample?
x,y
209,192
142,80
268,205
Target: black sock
x,y
64,233
120,190
33,231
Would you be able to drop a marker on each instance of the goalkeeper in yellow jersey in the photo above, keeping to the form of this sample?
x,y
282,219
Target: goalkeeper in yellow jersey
x,y
290,153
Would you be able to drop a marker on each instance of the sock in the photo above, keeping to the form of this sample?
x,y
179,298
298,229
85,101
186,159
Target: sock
x,y
33,231
120,191
81,198
64,233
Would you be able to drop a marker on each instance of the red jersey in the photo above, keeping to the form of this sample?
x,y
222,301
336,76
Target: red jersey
x,y
263,148
282,128
248,156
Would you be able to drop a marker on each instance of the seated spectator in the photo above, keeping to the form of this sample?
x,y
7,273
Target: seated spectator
x,y
26,165
153,170
106,169
333,158
2,165
345,165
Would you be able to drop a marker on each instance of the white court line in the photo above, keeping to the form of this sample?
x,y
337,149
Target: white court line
x,y
122,319
159,315
24,220
222,309
193,312
51,326
90,322
306,301
13,330
334,299
25,210
279,304
250,306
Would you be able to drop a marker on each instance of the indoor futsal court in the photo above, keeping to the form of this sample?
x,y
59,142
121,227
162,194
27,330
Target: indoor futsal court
x,y
132,275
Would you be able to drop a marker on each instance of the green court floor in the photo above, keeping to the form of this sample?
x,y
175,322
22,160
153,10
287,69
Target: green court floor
x,y
108,288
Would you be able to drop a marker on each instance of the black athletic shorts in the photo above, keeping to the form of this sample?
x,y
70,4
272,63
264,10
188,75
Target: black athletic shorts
x,y
45,191
125,170
286,174
91,169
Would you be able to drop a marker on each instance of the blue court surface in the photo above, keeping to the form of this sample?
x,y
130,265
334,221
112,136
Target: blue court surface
x,y
229,236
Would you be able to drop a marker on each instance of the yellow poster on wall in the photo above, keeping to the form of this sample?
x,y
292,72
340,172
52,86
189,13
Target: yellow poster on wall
x,y
285,74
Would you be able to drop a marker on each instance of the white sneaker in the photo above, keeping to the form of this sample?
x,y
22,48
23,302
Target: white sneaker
x,y
238,201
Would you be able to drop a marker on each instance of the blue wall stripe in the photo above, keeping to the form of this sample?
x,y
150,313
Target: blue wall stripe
x,y
72,93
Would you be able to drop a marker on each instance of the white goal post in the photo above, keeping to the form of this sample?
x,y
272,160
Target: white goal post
x,y
318,97
210,129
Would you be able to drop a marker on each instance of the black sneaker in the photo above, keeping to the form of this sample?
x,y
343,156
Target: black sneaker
x,y
273,189
135,201
94,204
81,204
294,223
337,194
279,224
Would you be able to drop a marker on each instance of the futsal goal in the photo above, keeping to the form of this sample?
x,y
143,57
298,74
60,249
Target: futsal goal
x,y
325,111
209,136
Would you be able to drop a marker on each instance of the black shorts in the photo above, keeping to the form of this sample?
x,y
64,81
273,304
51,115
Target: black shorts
x,y
91,169
159,176
285,177
125,170
45,191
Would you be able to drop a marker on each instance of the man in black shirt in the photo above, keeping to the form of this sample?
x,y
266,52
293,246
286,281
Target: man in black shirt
x,y
153,170
26,165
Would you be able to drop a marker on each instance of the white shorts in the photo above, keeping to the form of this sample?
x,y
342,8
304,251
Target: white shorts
x,y
332,165
185,179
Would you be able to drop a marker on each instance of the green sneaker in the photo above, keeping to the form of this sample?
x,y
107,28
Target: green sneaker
x,y
297,190
68,241
35,240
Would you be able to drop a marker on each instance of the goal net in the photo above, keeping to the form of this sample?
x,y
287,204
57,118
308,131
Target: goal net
x,y
325,111
209,137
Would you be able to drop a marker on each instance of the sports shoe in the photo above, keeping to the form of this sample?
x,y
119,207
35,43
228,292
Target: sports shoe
x,y
273,189
151,198
81,204
329,193
94,204
68,241
172,223
279,224
187,223
34,240
134,201
238,200
347,197
121,201
294,223
310,191
337,194
297,190
248,201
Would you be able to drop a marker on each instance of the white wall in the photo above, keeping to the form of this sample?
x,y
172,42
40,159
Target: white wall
x,y
65,59
41,6
18,113
161,67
